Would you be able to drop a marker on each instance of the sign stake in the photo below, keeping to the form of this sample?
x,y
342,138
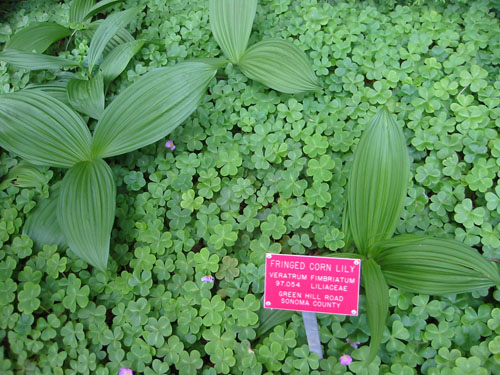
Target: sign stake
x,y
312,333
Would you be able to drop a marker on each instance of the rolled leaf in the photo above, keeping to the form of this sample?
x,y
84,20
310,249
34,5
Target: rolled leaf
x,y
79,9
56,89
434,266
87,96
106,30
216,62
231,22
26,175
86,210
117,60
346,229
34,61
42,130
151,108
37,38
377,304
269,318
99,7
42,225
122,36
378,182
280,65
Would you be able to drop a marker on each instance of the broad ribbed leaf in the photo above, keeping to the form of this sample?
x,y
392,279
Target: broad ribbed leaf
x,y
423,264
79,9
378,182
231,22
37,38
117,60
86,210
42,225
280,65
43,130
106,30
34,61
87,96
151,108
99,7
269,318
377,304
122,36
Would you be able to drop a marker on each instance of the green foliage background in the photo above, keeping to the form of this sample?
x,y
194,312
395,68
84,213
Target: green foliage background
x,y
256,171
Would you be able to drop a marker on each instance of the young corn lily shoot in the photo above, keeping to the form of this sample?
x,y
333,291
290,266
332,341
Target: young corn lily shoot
x,y
415,263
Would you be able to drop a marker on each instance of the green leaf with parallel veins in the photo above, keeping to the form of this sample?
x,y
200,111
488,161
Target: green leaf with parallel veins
x,y
37,38
231,22
79,9
34,61
151,108
106,30
122,36
280,65
43,130
377,303
42,225
87,96
86,210
117,60
378,182
434,266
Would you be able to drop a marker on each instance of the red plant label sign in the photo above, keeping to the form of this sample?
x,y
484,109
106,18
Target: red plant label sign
x,y
314,284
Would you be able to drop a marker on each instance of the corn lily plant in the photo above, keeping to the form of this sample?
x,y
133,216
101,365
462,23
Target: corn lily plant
x,y
276,63
82,208
415,263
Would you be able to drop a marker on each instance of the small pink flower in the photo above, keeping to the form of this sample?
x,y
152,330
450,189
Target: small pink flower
x,y
353,344
346,360
125,371
207,279
170,145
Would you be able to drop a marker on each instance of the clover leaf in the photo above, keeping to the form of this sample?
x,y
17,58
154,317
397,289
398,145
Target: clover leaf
x,y
274,226
223,236
243,310
228,269
210,310
28,301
